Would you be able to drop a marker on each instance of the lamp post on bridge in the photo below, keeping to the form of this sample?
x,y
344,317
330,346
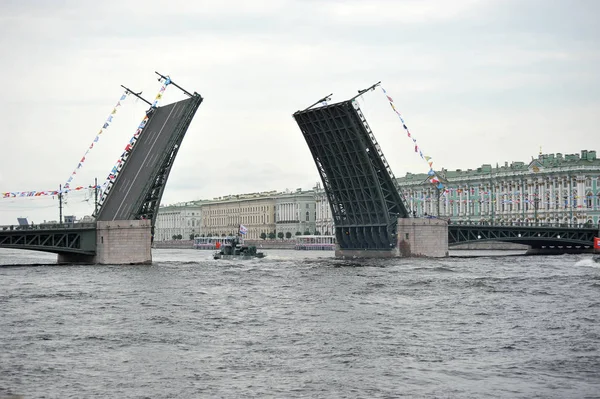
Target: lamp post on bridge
x,y
60,195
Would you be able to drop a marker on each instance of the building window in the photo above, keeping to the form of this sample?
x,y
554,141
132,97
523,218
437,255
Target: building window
x,y
307,216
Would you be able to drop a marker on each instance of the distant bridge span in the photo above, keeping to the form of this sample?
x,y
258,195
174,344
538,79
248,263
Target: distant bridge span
x,y
570,239
364,196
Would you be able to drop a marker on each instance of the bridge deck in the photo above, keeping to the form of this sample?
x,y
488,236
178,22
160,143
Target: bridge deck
x,y
149,152
74,238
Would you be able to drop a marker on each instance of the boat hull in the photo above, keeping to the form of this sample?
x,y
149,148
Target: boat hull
x,y
238,257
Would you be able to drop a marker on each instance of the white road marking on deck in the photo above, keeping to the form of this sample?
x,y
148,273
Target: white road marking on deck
x,y
147,154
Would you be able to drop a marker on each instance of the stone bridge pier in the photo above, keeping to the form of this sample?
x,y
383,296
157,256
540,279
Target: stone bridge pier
x,y
118,242
422,237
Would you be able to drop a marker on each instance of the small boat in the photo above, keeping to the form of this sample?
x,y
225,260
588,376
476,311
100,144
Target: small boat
x,y
596,258
236,250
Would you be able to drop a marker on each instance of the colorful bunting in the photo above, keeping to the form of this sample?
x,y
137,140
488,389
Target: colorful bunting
x,y
15,194
114,172
104,127
433,178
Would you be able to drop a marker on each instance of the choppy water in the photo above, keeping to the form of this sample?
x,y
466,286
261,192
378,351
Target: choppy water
x,y
301,324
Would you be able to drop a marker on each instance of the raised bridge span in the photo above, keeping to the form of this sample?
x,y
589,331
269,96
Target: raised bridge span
x,y
133,193
138,188
364,196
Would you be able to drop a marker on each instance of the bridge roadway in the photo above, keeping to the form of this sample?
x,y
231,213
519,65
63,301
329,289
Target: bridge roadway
x,y
146,156
561,239
65,238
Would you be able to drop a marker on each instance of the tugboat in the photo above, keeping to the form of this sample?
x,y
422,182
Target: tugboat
x,y
236,250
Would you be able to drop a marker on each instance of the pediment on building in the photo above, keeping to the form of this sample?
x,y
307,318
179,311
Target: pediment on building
x,y
535,166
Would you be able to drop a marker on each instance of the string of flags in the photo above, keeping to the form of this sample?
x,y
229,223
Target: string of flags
x,y
432,177
116,168
105,126
15,194
114,172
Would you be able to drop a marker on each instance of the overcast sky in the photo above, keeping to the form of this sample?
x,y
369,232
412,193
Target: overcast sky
x,y
476,81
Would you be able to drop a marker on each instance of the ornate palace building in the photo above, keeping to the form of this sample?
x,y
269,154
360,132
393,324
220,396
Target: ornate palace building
x,y
554,188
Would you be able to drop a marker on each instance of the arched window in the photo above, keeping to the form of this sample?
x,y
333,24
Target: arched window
x,y
589,200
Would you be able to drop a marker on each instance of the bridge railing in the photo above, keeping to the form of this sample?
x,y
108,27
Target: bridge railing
x,y
523,224
48,226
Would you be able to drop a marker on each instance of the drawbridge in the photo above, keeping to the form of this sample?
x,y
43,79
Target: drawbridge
x,y
134,188
363,193
137,189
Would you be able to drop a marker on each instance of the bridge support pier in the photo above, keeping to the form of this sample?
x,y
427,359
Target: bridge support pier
x,y
422,237
123,242
118,242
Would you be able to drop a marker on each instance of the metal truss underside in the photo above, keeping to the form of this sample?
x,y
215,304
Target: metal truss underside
x,y
76,240
149,200
364,196
535,236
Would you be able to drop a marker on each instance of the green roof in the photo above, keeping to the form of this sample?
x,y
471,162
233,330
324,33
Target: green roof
x,y
586,158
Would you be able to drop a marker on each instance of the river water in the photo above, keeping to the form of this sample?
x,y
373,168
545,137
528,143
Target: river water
x,y
300,324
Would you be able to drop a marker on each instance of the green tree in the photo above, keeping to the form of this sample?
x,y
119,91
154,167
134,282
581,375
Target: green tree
x,y
298,233
307,233
288,235
272,235
317,233
280,235
263,235
174,236
192,236
179,236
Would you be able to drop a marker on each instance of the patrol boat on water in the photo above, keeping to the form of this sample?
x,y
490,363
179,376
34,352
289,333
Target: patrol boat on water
x,y
234,249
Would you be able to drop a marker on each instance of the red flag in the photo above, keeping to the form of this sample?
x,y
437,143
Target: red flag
x,y
596,242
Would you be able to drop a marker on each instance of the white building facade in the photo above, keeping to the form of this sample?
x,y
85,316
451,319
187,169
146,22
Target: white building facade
x,y
182,219
295,212
323,219
256,211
